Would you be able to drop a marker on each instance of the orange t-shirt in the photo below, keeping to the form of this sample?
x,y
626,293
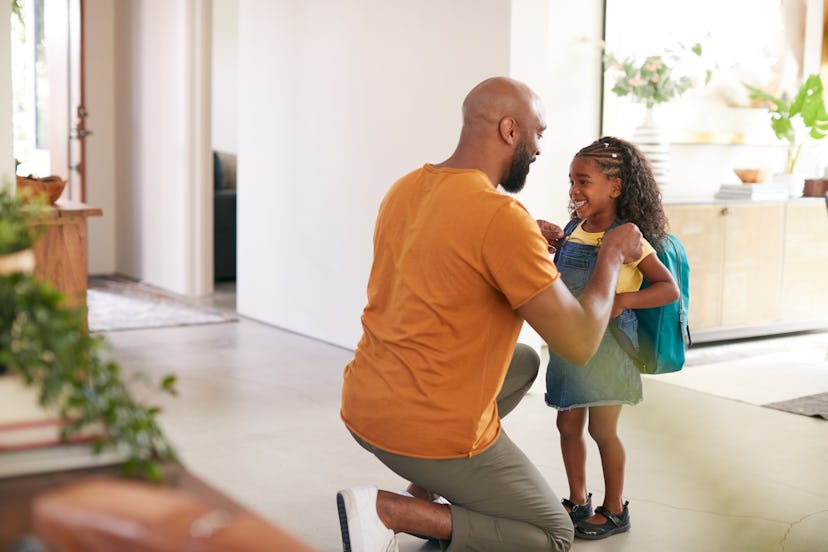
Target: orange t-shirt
x,y
453,259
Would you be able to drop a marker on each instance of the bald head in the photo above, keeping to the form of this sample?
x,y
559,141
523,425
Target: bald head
x,y
502,124
496,98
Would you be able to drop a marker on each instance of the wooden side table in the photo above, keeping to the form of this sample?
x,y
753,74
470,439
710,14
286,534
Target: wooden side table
x,y
61,252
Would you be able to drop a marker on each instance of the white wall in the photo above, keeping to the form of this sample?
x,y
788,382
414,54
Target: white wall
x,y
336,101
225,75
163,171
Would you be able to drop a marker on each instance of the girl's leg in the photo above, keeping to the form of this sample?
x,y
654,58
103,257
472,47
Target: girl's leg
x,y
603,427
571,425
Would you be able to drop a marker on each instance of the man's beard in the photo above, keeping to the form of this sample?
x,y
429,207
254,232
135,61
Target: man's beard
x,y
518,170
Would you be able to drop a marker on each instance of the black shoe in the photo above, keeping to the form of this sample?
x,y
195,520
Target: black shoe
x,y
579,512
614,524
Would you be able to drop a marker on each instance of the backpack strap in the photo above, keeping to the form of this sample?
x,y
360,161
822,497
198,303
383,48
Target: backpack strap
x,y
626,344
680,279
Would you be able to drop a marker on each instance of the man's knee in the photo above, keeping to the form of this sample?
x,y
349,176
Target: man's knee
x,y
526,361
563,538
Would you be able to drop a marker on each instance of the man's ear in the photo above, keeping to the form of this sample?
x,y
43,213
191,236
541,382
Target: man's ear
x,y
508,130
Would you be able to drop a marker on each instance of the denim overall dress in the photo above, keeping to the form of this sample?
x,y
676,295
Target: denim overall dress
x,y
610,377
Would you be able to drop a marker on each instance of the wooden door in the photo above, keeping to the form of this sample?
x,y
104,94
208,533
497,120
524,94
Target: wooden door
x,y
752,287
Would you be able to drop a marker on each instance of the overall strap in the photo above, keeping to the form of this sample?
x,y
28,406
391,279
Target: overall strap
x,y
571,226
568,229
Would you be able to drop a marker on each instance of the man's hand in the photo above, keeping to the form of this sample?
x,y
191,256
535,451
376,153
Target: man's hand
x,y
552,233
626,239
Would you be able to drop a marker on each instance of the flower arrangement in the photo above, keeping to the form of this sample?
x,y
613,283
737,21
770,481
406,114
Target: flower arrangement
x,y
796,120
657,79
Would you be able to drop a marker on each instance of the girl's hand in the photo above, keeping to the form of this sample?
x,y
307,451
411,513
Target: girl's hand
x,y
552,233
619,304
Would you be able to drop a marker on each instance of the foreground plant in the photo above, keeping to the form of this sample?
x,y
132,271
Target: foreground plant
x,y
47,344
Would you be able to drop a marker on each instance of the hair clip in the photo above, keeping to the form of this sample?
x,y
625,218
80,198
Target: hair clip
x,y
605,144
614,155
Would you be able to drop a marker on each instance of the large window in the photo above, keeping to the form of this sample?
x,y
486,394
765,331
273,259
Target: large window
x,y
770,44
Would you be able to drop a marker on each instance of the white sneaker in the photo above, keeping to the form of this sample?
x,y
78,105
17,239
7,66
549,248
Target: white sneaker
x,y
362,530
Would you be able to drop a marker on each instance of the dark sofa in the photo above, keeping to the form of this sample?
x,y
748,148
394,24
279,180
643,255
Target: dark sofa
x,y
224,216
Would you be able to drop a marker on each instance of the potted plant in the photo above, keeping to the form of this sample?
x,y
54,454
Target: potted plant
x,y
798,121
47,345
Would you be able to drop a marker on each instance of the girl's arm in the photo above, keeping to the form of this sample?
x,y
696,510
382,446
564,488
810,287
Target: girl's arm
x,y
662,290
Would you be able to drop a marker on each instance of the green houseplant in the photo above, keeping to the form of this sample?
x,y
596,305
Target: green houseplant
x,y
47,345
798,120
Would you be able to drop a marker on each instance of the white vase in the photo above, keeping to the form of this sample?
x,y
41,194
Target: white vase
x,y
649,138
794,182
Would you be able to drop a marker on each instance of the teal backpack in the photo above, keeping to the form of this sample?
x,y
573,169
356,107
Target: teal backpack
x,y
663,332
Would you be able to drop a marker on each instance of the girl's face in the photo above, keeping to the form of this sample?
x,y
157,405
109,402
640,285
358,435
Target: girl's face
x,y
592,193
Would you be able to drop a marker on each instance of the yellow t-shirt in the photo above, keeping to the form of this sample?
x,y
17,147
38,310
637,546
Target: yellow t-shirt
x,y
453,259
630,278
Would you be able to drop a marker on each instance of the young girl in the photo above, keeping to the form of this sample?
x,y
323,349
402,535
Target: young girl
x,y
610,182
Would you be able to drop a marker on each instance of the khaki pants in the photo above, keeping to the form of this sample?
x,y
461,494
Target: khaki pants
x,y
499,499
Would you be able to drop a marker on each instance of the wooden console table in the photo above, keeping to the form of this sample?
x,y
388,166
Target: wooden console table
x,y
61,254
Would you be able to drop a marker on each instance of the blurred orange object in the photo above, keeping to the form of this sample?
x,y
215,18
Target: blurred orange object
x,y
105,514
751,176
49,186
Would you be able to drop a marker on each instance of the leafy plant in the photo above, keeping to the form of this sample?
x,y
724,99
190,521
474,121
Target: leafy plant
x,y
47,344
656,79
796,120
16,229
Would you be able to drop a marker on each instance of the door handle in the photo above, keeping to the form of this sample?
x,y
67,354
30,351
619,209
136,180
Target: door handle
x,y
80,133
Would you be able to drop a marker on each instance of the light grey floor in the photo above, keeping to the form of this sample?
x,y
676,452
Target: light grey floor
x,y
257,416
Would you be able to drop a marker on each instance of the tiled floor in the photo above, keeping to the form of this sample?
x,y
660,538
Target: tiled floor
x,y
257,416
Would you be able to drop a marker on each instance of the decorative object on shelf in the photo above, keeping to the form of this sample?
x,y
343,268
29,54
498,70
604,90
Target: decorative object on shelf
x,y
650,139
798,121
47,345
815,187
51,187
658,79
751,176
754,192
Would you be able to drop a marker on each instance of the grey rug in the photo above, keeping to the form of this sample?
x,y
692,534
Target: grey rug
x,y
120,304
812,405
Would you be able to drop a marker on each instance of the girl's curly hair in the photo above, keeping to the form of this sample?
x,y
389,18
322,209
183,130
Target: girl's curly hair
x,y
640,199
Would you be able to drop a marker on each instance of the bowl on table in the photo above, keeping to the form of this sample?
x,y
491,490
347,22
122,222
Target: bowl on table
x,y
751,176
51,187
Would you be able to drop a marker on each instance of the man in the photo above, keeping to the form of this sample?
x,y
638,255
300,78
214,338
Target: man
x,y
458,266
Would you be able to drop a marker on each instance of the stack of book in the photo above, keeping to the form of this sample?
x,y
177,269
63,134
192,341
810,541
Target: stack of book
x,y
761,192
30,435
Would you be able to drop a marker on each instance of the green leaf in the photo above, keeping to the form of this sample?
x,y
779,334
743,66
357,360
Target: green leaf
x,y
168,384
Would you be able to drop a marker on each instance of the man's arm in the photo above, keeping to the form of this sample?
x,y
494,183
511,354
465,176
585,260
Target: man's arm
x,y
572,327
